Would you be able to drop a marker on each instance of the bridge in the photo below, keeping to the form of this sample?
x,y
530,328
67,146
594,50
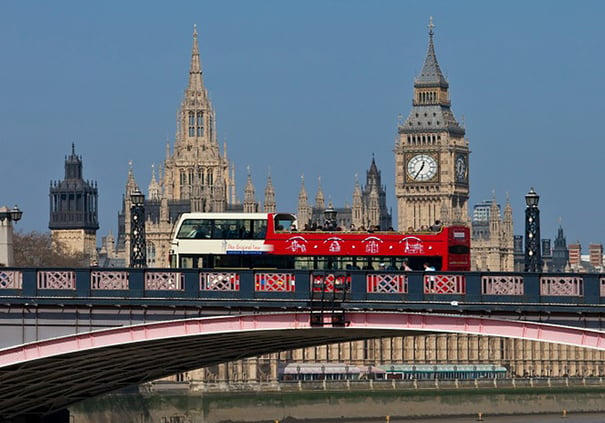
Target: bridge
x,y
71,334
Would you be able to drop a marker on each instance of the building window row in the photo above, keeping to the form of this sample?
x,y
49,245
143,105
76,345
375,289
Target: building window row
x,y
427,97
423,139
204,177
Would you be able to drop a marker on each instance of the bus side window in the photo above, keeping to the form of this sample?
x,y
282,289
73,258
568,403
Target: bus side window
x,y
260,232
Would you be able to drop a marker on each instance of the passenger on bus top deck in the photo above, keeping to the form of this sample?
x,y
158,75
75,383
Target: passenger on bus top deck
x,y
428,268
196,232
436,227
404,266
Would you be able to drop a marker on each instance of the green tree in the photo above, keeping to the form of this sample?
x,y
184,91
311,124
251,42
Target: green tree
x,y
36,249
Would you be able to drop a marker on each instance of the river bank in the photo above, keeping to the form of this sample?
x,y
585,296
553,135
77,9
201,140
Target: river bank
x,y
331,405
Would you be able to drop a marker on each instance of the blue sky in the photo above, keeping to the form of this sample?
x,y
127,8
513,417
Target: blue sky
x,y
309,88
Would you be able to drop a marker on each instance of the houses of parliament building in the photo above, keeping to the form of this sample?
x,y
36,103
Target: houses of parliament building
x,y
432,170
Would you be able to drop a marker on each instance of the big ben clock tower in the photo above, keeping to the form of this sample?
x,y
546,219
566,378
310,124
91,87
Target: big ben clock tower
x,y
431,154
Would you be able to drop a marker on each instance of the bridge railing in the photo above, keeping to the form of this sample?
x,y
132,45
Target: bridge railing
x,y
362,287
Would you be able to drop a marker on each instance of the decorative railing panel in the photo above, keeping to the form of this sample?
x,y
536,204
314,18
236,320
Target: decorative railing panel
x,y
502,285
267,281
567,286
219,281
330,282
11,279
444,284
108,280
163,281
386,283
56,279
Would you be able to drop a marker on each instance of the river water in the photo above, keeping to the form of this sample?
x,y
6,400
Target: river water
x,y
529,418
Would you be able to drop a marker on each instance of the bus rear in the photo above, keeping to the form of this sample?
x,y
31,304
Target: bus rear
x,y
458,249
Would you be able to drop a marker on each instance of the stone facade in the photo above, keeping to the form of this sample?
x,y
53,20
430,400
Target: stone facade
x,y
368,209
522,358
492,246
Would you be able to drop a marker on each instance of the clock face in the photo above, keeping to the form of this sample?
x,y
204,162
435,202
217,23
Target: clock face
x,y
422,167
461,168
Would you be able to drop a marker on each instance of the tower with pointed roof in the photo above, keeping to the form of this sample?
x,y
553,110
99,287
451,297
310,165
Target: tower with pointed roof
x,y
270,205
194,177
368,208
74,209
196,168
431,154
304,210
250,204
560,254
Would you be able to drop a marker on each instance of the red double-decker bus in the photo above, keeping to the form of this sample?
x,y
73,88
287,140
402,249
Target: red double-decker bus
x,y
271,240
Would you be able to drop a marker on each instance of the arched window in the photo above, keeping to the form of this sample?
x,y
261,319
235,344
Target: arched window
x,y
210,179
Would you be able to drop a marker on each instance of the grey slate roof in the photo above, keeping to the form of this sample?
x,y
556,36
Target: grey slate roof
x,y
431,118
431,75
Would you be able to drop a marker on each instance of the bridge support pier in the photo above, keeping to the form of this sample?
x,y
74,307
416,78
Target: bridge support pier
x,y
61,416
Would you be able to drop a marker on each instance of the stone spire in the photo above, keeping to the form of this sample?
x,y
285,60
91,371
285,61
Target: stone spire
x,y
270,206
249,202
304,215
507,223
319,197
131,184
357,206
195,69
154,190
373,174
494,219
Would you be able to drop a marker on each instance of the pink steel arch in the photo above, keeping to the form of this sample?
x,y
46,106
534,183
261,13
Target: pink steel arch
x,y
359,324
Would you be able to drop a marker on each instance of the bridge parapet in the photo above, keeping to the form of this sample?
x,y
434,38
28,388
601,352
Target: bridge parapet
x,y
293,288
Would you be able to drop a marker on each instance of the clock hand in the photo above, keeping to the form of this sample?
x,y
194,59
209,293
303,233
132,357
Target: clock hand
x,y
419,170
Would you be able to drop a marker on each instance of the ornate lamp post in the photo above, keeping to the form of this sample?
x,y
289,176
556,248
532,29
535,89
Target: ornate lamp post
x,y
533,258
7,216
138,248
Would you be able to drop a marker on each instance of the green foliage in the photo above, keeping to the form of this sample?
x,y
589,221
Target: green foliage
x,y
36,249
